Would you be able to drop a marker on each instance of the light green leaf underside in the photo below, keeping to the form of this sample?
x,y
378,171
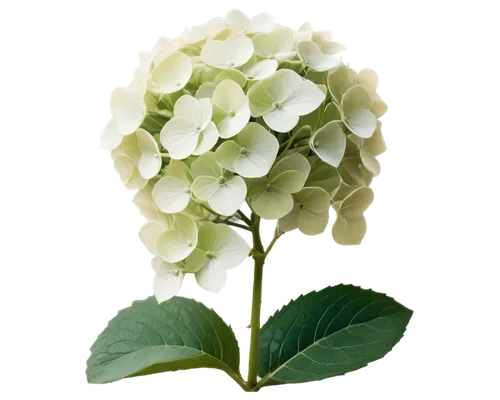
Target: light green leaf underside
x,y
328,333
148,338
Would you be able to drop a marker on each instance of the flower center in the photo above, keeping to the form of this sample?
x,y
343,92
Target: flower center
x,y
268,187
221,180
210,255
176,273
316,143
231,113
187,189
272,57
243,151
277,105
301,207
230,64
198,128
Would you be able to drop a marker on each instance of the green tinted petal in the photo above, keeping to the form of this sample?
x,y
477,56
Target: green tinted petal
x,y
129,174
313,199
232,74
179,170
229,197
232,108
331,113
171,195
227,153
294,162
349,231
356,203
206,165
339,81
376,144
329,143
260,100
379,107
311,223
204,187
175,245
206,91
272,204
323,175
149,234
369,78
370,162
290,221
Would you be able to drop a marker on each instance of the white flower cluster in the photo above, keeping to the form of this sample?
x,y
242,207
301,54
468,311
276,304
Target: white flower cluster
x,y
243,110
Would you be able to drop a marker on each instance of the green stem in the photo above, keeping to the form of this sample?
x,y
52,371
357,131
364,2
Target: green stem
x,y
259,258
241,226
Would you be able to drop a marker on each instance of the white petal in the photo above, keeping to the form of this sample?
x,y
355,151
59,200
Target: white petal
x,y
229,197
149,165
110,138
230,53
179,137
268,45
128,109
146,143
211,277
305,99
261,70
198,112
229,96
315,58
171,195
231,124
362,123
149,234
175,245
167,282
281,120
230,249
237,20
261,23
261,150
207,139
172,74
206,90
282,84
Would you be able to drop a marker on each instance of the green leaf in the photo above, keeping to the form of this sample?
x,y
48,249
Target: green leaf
x,y
328,333
148,338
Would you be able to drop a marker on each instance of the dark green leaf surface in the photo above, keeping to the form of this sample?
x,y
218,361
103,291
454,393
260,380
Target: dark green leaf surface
x,y
328,333
149,338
